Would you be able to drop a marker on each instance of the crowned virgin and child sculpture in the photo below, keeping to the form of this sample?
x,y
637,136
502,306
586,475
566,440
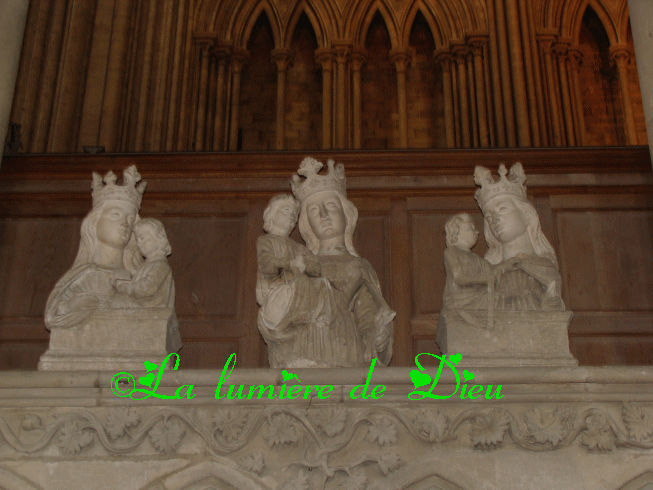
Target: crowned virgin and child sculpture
x,y
321,304
114,309
506,308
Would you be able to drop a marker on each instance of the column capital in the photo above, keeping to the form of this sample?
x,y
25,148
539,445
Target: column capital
x,y
561,48
460,50
575,57
222,52
239,57
620,54
358,58
443,57
205,43
325,57
477,42
283,58
342,51
401,58
546,41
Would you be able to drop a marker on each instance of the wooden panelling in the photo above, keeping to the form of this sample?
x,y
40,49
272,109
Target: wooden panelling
x,y
598,216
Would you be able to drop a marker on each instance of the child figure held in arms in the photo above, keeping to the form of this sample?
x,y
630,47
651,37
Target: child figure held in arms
x,y
152,285
470,278
283,267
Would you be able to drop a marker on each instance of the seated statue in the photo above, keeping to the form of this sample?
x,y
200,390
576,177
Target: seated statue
x,y
338,317
111,286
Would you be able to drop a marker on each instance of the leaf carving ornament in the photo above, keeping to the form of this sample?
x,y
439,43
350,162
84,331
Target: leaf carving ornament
x,y
546,426
254,463
331,420
73,437
280,431
383,431
300,482
389,462
230,423
431,423
119,419
638,420
598,435
489,428
166,436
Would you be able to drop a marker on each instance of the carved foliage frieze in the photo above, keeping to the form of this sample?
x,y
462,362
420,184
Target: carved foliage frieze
x,y
303,441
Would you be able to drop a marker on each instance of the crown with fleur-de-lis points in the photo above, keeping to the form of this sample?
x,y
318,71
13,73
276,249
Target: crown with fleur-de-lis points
x,y
106,189
509,183
334,180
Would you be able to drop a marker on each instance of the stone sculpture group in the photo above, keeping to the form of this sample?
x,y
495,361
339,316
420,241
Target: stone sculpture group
x,y
320,303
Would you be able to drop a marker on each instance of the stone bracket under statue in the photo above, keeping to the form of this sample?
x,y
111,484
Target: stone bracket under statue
x,y
517,338
112,340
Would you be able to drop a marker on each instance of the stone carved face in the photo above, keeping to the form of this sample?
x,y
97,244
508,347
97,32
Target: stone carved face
x,y
326,215
507,221
114,227
284,218
147,242
467,234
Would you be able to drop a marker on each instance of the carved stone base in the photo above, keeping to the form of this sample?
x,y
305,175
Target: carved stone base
x,y
110,340
517,338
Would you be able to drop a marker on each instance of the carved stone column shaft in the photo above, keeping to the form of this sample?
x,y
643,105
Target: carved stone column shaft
x,y
342,56
221,54
401,59
283,59
574,57
556,131
460,53
326,58
560,50
620,56
205,49
357,60
444,59
238,60
477,43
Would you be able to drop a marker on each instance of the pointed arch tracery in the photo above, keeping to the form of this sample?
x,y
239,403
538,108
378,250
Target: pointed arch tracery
x,y
358,23
243,20
317,14
440,29
571,17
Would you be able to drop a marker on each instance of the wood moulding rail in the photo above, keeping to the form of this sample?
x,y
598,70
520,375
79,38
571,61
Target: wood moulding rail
x,y
281,164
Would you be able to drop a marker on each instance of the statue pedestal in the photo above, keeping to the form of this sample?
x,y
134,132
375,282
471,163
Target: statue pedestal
x,y
110,340
518,338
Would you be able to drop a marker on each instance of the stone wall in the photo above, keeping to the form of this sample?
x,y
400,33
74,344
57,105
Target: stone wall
x,y
577,429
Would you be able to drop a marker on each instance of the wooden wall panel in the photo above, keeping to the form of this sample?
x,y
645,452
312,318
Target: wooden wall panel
x,y
206,263
599,219
34,254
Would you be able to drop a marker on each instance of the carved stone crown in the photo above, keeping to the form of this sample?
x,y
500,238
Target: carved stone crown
x,y
334,180
129,192
512,185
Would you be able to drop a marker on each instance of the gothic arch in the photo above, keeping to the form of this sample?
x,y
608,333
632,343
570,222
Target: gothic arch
x,y
322,31
358,23
440,34
244,19
622,21
572,17
208,474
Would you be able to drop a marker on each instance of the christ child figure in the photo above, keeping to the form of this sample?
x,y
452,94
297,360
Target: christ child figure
x,y
283,267
152,285
469,276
